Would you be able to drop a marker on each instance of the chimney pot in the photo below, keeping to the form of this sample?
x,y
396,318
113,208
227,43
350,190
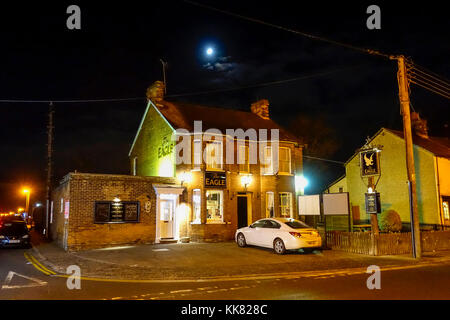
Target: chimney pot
x,y
155,93
261,108
419,125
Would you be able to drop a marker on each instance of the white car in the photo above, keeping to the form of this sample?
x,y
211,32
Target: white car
x,y
281,234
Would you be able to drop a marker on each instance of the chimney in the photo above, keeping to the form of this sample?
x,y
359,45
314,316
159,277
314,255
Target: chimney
x,y
261,108
155,93
419,125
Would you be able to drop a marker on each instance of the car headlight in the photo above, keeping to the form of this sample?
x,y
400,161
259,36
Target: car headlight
x,y
2,237
25,236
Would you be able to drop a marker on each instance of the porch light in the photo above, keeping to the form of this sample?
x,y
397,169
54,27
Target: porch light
x,y
116,199
246,180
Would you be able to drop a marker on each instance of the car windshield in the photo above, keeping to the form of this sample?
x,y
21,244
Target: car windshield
x,y
295,224
8,228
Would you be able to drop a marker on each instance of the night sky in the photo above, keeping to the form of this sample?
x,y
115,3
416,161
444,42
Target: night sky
x,y
116,55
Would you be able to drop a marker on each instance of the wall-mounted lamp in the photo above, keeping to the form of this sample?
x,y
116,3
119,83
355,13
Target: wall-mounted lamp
x,y
185,177
246,180
116,199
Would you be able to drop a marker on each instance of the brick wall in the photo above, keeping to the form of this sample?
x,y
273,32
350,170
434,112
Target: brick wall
x,y
83,190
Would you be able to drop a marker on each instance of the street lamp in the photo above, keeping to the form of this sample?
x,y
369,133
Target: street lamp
x,y
27,201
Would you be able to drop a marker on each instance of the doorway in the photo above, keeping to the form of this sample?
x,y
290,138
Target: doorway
x,y
244,210
166,219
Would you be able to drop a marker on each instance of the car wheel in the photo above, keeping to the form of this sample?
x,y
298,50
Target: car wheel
x,y
278,246
241,240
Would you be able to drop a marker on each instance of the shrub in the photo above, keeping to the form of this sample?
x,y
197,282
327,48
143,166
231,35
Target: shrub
x,y
390,221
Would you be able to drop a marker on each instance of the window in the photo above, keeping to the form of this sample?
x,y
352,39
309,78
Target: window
x,y
295,224
197,206
284,160
197,154
341,189
214,155
116,212
446,210
270,208
268,163
243,159
259,224
286,204
214,206
272,224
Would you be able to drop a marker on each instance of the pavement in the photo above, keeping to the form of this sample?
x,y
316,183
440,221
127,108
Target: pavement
x,y
212,261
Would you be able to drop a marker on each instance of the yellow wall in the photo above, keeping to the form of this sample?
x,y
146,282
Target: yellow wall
x,y
342,183
392,185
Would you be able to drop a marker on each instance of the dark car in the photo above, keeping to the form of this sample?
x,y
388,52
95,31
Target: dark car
x,y
14,233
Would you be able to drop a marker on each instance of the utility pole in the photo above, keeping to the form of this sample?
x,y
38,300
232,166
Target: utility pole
x,y
403,89
50,128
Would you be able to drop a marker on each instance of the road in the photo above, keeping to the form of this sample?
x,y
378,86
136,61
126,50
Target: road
x,y
20,279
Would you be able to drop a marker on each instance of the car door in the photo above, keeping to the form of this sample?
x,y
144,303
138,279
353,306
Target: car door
x,y
253,233
268,233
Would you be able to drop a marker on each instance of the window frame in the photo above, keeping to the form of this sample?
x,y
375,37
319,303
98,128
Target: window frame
x,y
197,166
289,161
221,204
289,194
195,219
268,167
209,158
267,204
244,167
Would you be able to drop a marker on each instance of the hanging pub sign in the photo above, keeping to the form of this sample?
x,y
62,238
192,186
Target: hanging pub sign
x,y
215,179
373,203
369,163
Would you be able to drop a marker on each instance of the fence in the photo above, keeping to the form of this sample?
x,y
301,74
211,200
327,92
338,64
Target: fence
x,y
387,243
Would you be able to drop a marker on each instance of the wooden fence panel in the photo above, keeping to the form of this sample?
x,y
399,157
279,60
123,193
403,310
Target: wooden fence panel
x,y
386,243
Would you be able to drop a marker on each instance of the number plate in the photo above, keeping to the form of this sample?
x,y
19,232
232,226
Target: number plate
x,y
14,241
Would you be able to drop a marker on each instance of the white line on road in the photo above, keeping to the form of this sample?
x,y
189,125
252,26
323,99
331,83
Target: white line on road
x,y
11,274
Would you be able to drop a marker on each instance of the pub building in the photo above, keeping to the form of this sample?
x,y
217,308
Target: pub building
x,y
162,201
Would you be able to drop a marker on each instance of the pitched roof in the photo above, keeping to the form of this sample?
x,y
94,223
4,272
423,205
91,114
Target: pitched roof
x,y
439,146
183,115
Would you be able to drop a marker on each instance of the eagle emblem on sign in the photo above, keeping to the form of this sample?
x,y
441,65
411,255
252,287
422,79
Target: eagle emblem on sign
x,y
368,160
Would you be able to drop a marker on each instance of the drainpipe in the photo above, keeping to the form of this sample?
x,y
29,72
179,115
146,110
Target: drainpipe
x,y
438,188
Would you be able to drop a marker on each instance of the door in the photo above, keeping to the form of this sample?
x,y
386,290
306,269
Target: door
x,y
166,212
242,212
446,210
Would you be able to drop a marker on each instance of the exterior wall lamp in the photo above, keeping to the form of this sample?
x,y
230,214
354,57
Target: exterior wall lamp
x,y
246,180
185,177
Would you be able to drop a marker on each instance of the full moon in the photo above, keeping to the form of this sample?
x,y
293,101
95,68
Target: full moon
x,y
209,51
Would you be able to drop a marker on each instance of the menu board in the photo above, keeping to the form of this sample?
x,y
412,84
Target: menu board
x,y
131,211
110,212
102,210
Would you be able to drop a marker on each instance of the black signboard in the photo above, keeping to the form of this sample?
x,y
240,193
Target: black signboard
x,y
370,164
373,203
116,212
102,211
215,179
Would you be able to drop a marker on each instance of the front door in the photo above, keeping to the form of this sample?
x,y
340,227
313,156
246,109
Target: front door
x,y
166,211
242,212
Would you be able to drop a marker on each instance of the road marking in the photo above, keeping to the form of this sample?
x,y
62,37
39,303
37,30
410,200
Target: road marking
x,y
158,250
38,265
11,274
181,291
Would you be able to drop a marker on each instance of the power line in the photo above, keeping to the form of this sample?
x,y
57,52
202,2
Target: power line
x,y
322,159
70,101
308,35
265,84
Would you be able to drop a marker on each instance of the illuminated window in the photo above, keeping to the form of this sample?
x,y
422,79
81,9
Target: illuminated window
x,y
286,204
446,210
270,208
214,155
284,160
214,206
197,154
197,205
244,165
268,163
